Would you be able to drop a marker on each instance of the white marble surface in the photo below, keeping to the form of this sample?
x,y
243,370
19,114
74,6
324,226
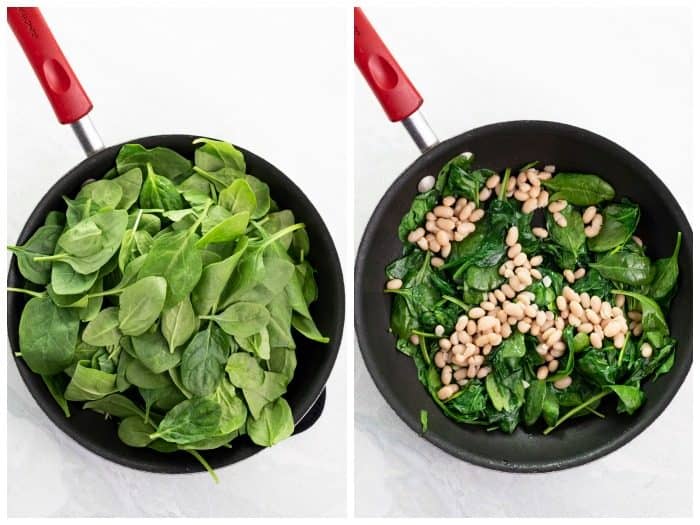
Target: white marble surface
x,y
247,75
621,72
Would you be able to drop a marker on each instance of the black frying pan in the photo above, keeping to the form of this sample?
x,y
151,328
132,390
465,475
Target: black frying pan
x,y
306,392
498,146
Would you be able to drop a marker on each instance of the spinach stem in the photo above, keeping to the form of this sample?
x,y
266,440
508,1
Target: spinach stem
x,y
136,222
678,246
424,350
595,412
113,291
424,334
279,234
622,350
576,410
28,292
259,228
55,257
199,220
456,301
206,465
504,185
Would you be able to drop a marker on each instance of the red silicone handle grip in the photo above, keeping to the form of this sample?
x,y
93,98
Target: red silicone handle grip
x,y
60,84
390,84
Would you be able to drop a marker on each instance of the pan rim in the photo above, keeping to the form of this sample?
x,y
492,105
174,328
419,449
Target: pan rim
x,y
177,465
641,422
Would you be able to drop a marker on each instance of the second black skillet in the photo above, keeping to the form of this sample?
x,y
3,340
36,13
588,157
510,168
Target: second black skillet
x,y
498,146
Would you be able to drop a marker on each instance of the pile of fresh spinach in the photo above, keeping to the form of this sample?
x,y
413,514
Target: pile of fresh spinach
x,y
511,394
165,297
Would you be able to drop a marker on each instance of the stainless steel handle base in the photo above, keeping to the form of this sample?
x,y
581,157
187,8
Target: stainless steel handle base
x,y
420,131
87,135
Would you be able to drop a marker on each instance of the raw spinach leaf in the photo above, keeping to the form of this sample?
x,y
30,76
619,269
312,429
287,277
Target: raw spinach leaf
x,y
47,336
42,242
191,420
140,305
164,161
159,192
241,319
134,432
213,155
274,424
178,323
203,361
175,258
104,329
88,384
152,350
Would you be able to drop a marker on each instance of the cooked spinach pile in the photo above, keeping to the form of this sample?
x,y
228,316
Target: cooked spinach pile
x,y
529,298
165,296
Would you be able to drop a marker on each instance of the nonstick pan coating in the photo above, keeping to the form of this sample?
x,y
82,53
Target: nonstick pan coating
x,y
498,146
315,360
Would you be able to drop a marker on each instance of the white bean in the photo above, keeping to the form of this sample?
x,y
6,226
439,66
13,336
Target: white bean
x,y
450,200
394,284
476,312
483,372
445,250
529,205
564,382
557,206
514,250
447,391
443,211
440,359
426,183
560,220
461,324
512,236
540,232
508,291
477,215
446,375
589,214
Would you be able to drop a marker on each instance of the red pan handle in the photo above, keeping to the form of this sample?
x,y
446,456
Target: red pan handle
x,y
390,84
69,100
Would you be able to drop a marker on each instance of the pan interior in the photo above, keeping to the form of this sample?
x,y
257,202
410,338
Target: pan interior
x,y
498,146
315,360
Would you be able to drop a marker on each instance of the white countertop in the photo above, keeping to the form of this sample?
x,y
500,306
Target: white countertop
x,y
247,75
623,73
